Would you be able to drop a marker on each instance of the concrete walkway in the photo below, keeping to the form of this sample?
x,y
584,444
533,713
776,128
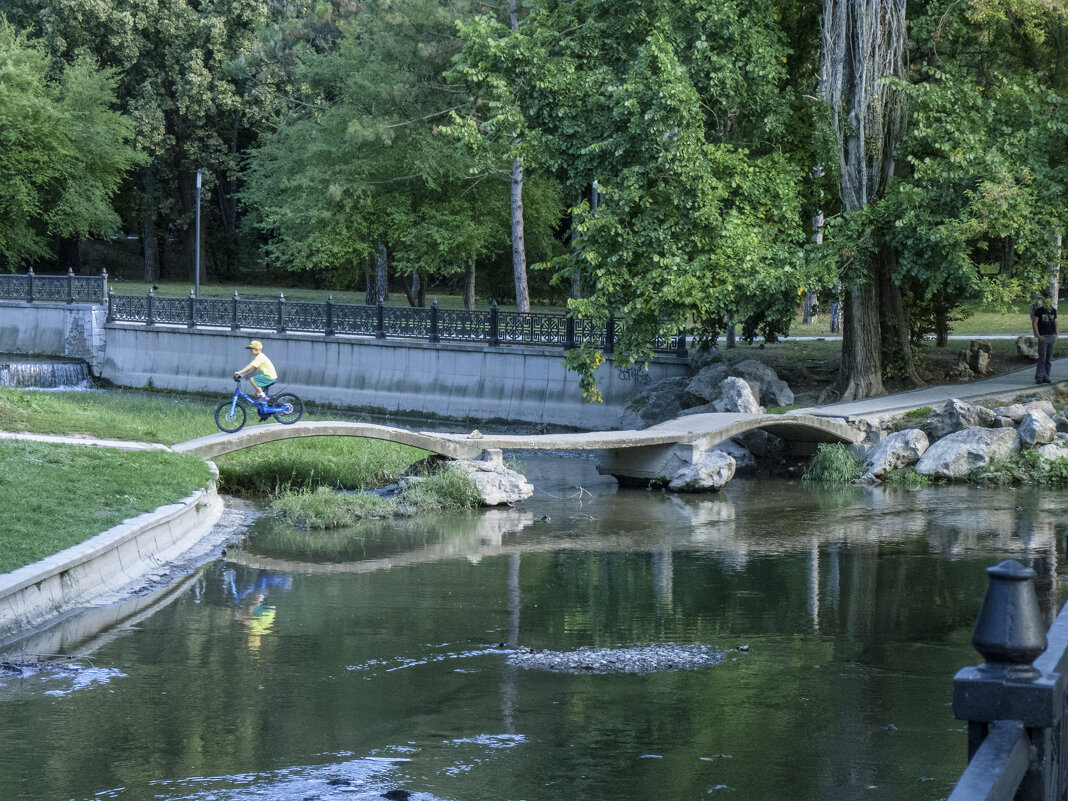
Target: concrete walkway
x,y
1000,387
118,444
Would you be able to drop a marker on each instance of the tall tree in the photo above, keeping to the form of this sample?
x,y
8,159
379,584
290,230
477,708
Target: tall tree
x,y
63,149
864,46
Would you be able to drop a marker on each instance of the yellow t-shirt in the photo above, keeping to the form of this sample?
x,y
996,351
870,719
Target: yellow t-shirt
x,y
263,364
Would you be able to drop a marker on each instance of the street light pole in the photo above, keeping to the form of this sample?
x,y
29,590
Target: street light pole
x,y
196,247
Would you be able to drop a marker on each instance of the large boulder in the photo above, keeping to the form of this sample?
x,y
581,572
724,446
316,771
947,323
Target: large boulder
x,y
664,400
979,356
773,390
709,472
900,449
704,386
744,461
956,415
736,396
1027,348
496,483
957,454
1037,428
1058,449
1017,411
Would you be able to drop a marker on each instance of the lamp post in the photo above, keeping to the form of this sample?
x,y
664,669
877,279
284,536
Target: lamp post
x,y
196,246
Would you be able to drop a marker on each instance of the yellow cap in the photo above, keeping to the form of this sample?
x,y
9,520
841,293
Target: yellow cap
x,y
254,344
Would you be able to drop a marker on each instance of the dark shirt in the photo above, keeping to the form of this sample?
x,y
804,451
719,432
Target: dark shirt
x,y
1046,317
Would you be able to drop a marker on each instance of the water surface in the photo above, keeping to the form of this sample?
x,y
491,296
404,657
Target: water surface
x,y
344,665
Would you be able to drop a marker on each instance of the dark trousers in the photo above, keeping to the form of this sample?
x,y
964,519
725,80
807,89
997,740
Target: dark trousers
x,y
1045,356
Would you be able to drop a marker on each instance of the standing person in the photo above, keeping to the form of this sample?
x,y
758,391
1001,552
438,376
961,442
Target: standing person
x,y
1044,324
260,369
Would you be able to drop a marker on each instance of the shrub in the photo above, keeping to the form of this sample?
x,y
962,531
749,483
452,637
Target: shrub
x,y
832,464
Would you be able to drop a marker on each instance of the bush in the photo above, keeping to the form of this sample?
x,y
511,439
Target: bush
x,y
832,464
908,478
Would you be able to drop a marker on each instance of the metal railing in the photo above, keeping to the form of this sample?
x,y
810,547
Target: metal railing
x,y
1015,701
432,324
69,288
486,326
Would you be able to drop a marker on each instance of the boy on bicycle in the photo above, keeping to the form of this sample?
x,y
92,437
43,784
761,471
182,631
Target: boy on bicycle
x,y
260,369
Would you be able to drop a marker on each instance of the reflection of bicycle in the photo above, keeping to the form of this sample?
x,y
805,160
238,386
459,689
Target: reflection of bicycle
x,y
286,408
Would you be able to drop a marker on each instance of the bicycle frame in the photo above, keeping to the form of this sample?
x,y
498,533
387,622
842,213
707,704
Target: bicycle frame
x,y
266,410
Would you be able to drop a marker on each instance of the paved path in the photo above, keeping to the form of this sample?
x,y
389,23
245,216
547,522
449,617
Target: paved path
x,y
118,444
1006,387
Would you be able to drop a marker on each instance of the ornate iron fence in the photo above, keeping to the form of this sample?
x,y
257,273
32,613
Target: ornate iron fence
x,y
1016,702
69,288
487,326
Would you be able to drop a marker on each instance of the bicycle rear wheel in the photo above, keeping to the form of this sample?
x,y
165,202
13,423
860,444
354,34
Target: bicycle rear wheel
x,y
293,408
231,421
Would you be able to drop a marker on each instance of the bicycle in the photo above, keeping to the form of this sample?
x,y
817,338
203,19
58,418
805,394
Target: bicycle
x,y
231,415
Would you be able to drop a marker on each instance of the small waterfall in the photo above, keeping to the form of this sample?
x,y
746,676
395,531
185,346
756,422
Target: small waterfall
x,y
44,375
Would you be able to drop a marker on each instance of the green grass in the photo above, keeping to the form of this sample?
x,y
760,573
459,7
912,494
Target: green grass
x,y
322,508
55,496
833,463
349,463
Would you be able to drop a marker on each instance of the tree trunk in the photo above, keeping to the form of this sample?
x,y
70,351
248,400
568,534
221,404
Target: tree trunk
x,y
810,305
415,292
1008,256
519,248
862,367
187,192
382,273
1055,273
731,341
895,327
469,284
149,240
370,297
70,254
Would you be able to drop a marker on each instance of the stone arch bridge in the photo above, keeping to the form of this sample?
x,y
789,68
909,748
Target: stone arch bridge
x,y
651,453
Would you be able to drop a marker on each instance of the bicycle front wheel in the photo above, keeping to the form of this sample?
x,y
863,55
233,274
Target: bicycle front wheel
x,y
292,408
230,416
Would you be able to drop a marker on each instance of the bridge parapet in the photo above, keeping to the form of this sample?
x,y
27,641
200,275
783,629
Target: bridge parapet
x,y
1015,701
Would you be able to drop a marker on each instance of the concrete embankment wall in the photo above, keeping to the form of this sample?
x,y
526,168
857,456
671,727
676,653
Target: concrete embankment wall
x,y
416,378
37,594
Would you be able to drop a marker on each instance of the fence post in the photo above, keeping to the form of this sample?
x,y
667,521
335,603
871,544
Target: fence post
x,y
103,285
70,285
610,335
111,305
380,320
434,321
495,324
281,313
151,295
569,333
234,324
29,283
192,309
1009,686
329,315
680,345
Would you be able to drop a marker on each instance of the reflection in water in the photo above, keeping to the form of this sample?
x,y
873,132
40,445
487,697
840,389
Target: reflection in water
x,y
347,664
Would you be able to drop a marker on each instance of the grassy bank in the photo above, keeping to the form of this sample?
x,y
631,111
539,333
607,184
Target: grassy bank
x,y
56,496
149,417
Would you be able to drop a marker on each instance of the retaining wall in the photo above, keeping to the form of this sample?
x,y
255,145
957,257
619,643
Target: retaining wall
x,y
471,382
44,591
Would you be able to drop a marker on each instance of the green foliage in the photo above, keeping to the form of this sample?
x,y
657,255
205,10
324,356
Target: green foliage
x,y
908,478
1025,467
56,496
833,463
672,108
63,149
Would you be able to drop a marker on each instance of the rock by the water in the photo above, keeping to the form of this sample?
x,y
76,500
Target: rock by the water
x,y
496,483
900,449
744,461
1058,449
664,400
1061,422
709,471
956,415
773,390
704,387
1037,428
1016,411
959,453
1027,348
736,396
638,659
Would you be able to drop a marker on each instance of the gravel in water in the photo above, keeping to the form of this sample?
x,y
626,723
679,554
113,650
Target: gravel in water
x,y
639,659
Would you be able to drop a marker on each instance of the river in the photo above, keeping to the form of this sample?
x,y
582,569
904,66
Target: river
x,y
373,661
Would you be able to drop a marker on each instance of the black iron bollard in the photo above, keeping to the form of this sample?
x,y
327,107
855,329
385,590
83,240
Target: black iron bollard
x,y
434,337
1009,632
235,324
329,331
192,310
